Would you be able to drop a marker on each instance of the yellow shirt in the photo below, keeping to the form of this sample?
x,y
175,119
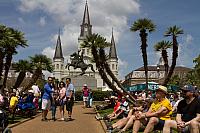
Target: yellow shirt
x,y
155,106
13,101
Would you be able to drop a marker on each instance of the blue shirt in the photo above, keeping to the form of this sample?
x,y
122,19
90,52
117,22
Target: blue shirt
x,y
69,89
47,91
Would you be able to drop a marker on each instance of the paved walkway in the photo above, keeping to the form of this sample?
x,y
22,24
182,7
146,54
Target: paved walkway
x,y
84,122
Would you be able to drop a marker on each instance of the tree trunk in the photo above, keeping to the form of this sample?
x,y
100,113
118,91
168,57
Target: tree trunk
x,y
1,70
20,79
114,78
36,75
7,67
174,57
101,70
143,36
165,59
1,62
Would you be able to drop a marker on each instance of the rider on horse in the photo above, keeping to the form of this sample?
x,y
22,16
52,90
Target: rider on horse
x,y
77,59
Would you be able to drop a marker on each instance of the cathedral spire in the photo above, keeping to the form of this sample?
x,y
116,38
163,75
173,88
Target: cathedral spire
x,y
113,52
58,51
86,27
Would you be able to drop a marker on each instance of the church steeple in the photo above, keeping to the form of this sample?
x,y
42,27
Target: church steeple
x,y
113,52
86,27
58,51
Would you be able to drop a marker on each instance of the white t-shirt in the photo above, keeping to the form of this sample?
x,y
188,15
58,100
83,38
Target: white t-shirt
x,y
62,93
36,89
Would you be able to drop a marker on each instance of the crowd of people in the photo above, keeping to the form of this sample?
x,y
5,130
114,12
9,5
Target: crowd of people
x,y
160,111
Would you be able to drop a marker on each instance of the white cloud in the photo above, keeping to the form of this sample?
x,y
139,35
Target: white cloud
x,y
104,15
42,21
49,52
122,67
188,39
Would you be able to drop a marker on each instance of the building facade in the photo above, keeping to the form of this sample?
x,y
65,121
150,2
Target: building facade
x,y
91,78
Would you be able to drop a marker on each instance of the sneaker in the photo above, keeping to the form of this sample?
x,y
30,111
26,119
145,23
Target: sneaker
x,y
70,118
44,119
62,119
98,117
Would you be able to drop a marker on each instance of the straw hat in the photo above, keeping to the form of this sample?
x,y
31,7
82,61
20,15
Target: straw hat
x,y
162,88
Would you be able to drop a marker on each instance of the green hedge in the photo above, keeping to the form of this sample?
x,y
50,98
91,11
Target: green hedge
x,y
97,95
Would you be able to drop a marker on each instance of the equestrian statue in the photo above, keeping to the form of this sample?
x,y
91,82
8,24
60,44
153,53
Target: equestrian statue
x,y
78,62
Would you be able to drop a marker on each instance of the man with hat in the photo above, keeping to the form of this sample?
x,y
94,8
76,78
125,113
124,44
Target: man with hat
x,y
188,113
157,114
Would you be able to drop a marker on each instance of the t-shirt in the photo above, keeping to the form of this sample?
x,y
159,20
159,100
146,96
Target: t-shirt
x,y
188,111
124,106
69,88
85,92
13,101
116,106
62,92
156,105
35,89
47,91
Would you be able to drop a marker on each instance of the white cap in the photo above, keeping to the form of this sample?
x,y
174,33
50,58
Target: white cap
x,y
85,85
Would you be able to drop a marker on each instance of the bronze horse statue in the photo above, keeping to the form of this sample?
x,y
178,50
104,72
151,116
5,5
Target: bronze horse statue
x,y
77,62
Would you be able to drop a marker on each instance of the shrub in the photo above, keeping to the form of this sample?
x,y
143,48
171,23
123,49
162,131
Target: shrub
x,y
97,95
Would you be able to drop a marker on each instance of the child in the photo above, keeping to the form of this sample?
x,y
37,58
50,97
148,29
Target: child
x,y
55,99
36,102
13,103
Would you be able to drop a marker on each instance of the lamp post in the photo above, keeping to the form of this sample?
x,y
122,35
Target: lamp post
x,y
158,72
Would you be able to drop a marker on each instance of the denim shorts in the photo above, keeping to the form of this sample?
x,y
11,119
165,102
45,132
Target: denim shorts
x,y
160,125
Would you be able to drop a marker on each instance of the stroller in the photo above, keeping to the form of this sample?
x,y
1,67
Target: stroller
x,y
4,118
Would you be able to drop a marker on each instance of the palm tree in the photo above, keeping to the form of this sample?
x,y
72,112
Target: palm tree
x,y
16,41
97,45
162,47
144,25
22,67
39,62
174,32
5,36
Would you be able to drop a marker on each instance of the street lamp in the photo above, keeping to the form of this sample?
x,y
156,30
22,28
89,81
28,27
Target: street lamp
x,y
158,71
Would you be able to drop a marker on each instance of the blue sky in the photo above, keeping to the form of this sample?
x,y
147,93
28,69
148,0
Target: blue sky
x,y
41,19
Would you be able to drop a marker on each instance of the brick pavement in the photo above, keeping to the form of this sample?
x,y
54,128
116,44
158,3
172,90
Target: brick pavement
x,y
84,122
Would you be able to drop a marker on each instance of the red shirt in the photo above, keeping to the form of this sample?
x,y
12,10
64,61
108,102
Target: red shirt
x,y
116,106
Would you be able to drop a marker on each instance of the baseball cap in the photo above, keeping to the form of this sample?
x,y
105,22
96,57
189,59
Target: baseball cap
x,y
85,85
189,88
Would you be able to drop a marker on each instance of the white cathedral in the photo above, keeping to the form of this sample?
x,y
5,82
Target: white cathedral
x,y
93,79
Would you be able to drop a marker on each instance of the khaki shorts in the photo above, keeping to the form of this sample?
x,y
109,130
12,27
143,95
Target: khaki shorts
x,y
46,104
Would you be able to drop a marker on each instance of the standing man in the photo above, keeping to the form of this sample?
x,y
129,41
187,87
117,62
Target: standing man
x,y
69,97
188,113
46,98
